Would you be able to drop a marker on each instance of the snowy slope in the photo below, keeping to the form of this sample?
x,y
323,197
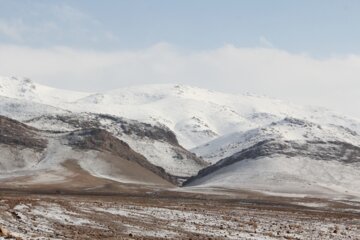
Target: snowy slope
x,y
26,89
23,110
289,175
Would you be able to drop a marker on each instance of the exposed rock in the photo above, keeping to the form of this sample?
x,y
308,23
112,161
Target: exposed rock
x,y
15,133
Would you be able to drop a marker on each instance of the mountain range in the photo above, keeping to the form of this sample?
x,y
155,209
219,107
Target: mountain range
x,y
171,134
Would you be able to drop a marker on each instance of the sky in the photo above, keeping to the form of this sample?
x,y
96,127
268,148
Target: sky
x,y
307,52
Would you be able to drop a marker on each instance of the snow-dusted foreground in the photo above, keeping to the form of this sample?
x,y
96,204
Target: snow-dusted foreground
x,y
150,217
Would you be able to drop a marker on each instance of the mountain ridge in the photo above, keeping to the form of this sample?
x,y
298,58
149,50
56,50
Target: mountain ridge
x,y
195,115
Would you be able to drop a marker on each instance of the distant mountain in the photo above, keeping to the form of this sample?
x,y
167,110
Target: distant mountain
x,y
250,141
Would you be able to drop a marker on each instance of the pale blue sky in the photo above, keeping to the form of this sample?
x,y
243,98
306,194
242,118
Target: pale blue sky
x,y
305,51
319,28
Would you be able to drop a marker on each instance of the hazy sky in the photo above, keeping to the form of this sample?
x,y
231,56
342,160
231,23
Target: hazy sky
x,y
304,51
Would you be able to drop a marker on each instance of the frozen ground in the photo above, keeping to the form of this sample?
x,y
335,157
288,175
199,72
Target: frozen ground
x,y
177,216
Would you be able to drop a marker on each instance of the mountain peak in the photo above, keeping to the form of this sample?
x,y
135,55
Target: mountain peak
x,y
17,87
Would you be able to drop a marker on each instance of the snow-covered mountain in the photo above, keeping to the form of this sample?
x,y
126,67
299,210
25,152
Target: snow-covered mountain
x,y
195,115
252,141
198,116
287,156
286,130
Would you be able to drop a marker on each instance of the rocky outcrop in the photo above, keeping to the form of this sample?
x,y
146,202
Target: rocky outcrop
x,y
18,134
128,127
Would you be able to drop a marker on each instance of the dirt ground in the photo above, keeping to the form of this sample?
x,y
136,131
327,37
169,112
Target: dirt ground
x,y
174,215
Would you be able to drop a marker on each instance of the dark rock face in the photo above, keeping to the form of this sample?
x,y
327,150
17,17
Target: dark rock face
x,y
18,134
97,139
317,150
143,129
101,140
128,127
